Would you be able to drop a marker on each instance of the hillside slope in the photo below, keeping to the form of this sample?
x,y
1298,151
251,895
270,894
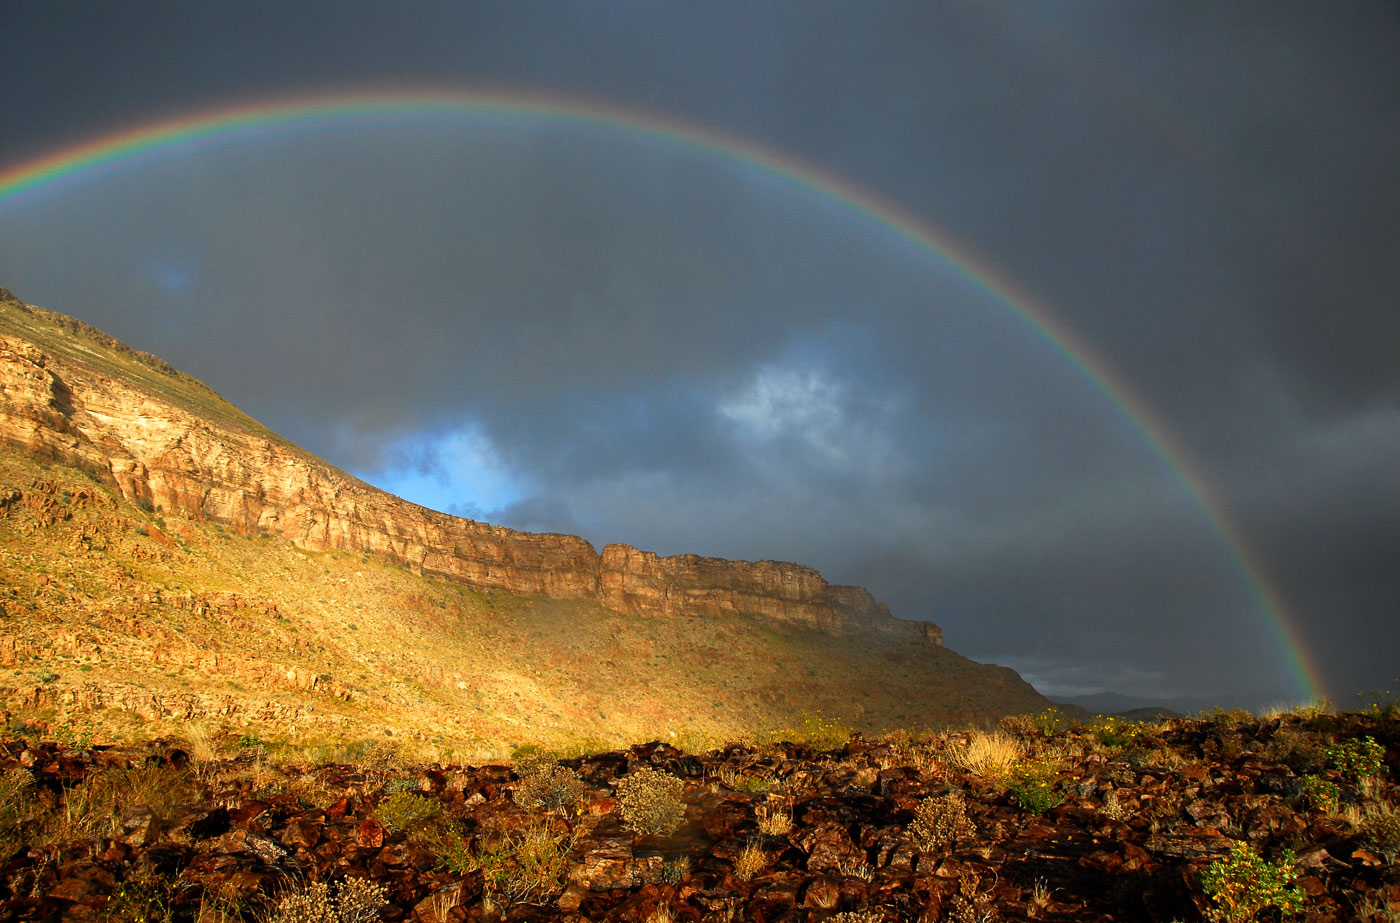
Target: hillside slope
x,y
167,557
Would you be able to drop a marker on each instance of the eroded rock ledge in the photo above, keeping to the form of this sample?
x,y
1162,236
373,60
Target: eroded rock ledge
x,y
181,448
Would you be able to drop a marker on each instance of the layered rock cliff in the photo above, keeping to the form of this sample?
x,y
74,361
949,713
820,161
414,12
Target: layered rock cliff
x,y
74,395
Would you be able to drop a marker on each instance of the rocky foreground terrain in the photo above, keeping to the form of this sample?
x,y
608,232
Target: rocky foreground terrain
x,y
1228,817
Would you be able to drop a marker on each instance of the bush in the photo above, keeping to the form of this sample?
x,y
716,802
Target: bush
x,y
1321,793
650,802
528,865
1035,786
1244,883
940,822
1356,758
357,900
544,784
402,810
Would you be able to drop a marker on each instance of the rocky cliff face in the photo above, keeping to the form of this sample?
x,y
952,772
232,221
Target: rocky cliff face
x,y
74,395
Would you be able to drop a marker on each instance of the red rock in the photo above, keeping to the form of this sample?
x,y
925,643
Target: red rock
x,y
822,893
243,816
369,833
1366,858
301,834
438,906
608,863
74,888
572,898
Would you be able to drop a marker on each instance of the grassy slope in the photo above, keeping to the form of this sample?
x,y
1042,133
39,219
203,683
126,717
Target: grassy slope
x,y
107,593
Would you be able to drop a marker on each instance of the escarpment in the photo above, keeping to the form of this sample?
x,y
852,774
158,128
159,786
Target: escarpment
x,y
73,395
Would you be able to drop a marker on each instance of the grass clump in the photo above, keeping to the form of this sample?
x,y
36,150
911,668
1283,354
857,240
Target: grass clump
x,y
1244,883
16,806
402,810
750,862
940,822
93,808
1380,827
988,754
650,802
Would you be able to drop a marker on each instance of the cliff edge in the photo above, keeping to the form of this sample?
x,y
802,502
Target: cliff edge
x,y
74,395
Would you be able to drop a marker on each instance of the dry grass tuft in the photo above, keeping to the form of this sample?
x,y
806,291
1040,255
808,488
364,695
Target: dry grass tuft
x,y
988,754
774,819
750,862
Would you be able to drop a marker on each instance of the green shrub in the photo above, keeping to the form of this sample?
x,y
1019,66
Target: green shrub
x,y
1321,793
1244,883
817,731
940,822
402,810
1035,787
650,802
1116,733
1357,757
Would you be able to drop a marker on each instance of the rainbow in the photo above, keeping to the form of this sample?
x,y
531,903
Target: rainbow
x,y
183,135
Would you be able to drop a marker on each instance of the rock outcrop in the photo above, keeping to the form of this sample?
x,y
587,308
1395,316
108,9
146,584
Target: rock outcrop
x,y
73,395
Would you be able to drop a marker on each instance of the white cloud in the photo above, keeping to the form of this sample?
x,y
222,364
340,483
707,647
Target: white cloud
x,y
839,428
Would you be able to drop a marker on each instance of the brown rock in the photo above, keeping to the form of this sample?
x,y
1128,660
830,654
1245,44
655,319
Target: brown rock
x,y
369,833
608,863
438,906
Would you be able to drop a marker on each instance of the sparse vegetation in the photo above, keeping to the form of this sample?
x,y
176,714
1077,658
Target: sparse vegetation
x,y
402,810
465,842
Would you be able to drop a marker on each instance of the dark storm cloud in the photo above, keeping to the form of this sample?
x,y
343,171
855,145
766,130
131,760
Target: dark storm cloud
x,y
647,344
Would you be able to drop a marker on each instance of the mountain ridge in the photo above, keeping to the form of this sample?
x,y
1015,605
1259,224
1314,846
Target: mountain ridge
x,y
165,560
66,408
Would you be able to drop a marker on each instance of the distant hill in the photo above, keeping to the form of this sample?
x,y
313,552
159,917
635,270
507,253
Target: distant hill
x,y
167,559
1113,703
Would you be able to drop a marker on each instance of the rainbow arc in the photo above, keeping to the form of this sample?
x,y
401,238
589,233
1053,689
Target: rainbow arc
x,y
30,181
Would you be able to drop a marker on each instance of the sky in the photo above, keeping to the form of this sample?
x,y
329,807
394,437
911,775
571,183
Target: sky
x,y
1073,327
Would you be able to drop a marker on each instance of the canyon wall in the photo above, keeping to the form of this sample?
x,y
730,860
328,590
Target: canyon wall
x,y
74,395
